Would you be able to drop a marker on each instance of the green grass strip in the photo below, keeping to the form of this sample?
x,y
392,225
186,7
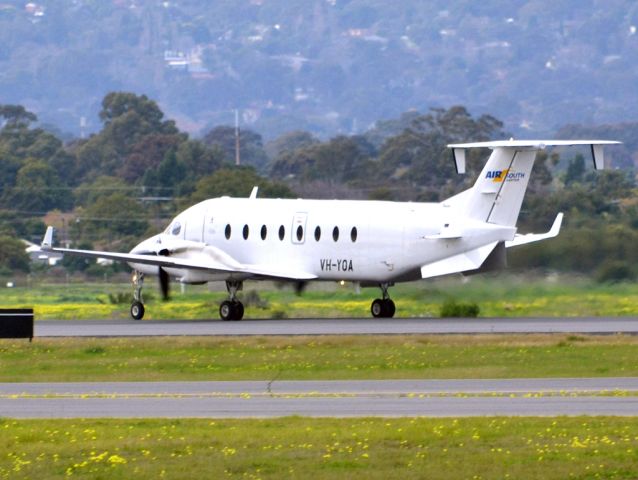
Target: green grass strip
x,y
318,357
293,447
498,295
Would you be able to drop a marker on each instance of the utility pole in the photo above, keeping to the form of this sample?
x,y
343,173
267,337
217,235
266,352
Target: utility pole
x,y
237,159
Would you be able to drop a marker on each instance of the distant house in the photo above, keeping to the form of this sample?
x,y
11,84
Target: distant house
x,y
34,9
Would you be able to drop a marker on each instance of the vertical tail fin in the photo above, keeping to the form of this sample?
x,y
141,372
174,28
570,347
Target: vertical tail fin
x,y
497,194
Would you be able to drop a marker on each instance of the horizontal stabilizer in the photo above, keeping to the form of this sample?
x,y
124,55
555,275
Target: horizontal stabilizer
x,y
597,152
531,144
535,237
458,263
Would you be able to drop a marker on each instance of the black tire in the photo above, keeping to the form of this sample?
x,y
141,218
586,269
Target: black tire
x,y
137,310
227,310
238,310
389,307
377,308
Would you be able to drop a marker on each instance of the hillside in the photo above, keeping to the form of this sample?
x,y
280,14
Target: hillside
x,y
327,66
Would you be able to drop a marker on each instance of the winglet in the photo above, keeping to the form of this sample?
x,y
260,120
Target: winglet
x,y
47,241
535,237
253,193
598,156
555,230
459,159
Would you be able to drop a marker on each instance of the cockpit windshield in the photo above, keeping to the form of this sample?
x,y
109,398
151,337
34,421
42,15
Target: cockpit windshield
x,y
173,229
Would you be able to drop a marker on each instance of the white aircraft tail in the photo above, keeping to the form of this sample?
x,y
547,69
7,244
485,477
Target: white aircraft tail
x,y
498,193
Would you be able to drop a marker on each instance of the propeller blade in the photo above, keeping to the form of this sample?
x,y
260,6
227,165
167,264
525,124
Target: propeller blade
x,y
300,287
164,281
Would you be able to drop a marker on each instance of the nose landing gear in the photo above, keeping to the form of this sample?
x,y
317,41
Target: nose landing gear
x,y
137,307
383,307
232,309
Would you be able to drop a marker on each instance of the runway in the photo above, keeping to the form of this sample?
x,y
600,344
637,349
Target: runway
x,y
337,326
387,398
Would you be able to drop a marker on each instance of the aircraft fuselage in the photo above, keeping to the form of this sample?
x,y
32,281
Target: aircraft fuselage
x,y
365,241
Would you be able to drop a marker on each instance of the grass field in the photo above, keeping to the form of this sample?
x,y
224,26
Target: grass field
x,y
292,447
503,295
318,357
372,448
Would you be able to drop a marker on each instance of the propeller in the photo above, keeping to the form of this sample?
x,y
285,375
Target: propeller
x,y
164,282
164,279
300,287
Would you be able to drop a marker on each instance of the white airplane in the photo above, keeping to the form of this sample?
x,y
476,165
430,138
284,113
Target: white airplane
x,y
375,243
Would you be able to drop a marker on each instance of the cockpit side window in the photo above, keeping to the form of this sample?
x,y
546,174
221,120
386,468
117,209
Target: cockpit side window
x,y
176,228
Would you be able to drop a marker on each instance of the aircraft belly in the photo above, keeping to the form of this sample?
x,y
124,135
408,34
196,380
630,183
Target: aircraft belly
x,y
145,269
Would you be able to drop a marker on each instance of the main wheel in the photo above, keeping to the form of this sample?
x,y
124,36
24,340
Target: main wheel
x,y
383,308
226,310
390,308
377,308
238,310
137,310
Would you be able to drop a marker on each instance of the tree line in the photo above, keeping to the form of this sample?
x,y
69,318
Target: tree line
x,y
127,180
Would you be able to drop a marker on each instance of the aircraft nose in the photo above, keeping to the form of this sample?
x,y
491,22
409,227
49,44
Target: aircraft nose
x,y
145,247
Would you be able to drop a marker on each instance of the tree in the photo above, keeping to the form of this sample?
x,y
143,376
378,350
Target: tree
x,y
103,186
419,158
251,149
575,170
118,104
342,159
13,255
199,159
128,119
289,142
16,116
115,215
38,188
146,154
167,177
237,182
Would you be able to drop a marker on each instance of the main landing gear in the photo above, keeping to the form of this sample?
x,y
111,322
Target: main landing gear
x,y
232,309
383,307
137,307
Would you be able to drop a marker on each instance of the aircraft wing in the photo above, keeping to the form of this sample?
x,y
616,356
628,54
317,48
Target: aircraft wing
x,y
208,263
535,237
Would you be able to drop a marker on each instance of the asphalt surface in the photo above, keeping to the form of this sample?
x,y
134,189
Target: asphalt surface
x,y
341,326
449,398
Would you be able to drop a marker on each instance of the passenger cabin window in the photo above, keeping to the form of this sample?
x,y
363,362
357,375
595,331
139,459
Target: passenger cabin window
x,y
177,227
282,232
318,233
264,232
245,232
335,234
353,234
227,232
299,233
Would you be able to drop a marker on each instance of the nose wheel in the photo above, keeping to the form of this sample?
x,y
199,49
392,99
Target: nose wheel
x,y
137,310
383,307
137,307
